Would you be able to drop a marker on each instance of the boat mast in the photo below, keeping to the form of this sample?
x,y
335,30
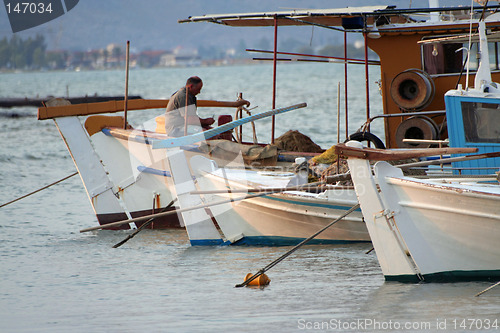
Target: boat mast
x,y
345,87
275,53
483,74
434,15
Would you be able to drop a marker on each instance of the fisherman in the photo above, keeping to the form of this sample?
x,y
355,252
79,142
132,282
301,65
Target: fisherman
x,y
176,124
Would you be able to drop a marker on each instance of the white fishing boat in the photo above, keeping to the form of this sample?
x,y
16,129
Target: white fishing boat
x,y
250,214
429,230
123,176
438,229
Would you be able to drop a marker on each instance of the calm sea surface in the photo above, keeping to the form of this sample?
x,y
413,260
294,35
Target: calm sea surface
x,y
55,279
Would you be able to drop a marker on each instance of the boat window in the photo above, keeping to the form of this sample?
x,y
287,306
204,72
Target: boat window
x,y
481,122
448,58
442,58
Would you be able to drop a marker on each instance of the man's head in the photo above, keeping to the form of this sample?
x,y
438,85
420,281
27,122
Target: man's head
x,y
194,84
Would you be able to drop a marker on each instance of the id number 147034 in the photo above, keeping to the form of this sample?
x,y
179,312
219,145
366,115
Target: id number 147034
x,y
28,7
475,324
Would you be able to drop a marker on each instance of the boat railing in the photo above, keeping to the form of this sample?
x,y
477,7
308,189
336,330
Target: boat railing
x,y
86,109
438,143
366,125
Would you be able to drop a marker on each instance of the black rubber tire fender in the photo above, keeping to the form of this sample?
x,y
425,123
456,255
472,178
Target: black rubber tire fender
x,y
367,136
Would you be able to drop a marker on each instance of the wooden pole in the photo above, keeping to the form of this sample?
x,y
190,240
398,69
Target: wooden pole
x,y
125,101
239,136
367,84
350,60
254,130
338,113
449,160
489,288
186,112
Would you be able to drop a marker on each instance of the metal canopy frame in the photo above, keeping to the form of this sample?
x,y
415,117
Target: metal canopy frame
x,y
321,17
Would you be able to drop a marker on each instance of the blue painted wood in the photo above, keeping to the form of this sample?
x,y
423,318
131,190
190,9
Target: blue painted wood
x,y
154,171
456,134
193,138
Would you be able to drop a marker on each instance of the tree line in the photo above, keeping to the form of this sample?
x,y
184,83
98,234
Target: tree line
x,y
16,53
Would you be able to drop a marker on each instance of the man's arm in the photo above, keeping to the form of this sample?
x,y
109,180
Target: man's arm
x,y
195,120
235,104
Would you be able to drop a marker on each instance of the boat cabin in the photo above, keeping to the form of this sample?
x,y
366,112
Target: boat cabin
x,y
474,121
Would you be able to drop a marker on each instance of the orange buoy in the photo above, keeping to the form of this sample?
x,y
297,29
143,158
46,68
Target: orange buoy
x,y
262,280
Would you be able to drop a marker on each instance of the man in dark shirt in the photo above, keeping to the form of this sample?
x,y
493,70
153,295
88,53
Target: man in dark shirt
x,y
184,100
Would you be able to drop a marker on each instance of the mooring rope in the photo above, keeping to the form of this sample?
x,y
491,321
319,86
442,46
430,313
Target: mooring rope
x,y
40,189
295,248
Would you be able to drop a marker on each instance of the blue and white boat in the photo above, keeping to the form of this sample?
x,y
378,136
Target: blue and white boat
x,y
429,229
439,229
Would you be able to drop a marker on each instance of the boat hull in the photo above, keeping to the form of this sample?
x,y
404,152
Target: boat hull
x,y
461,229
162,222
429,230
285,219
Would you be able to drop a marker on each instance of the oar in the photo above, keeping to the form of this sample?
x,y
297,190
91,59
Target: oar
x,y
489,288
258,190
275,262
449,160
40,189
309,186
146,217
144,225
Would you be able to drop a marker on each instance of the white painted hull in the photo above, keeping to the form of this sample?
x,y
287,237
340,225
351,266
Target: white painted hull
x,y
115,187
461,228
426,230
285,217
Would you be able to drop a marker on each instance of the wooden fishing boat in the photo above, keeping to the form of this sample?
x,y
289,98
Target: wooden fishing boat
x,y
123,176
428,230
250,214
439,229
422,54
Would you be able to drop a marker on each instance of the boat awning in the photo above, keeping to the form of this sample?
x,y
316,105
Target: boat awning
x,y
327,17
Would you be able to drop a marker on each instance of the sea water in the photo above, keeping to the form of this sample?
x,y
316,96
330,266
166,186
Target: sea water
x,y
55,279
